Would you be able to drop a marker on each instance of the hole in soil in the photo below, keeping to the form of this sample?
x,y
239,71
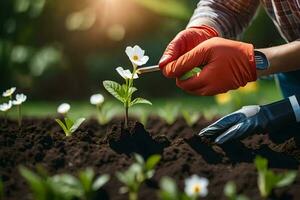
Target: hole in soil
x,y
135,139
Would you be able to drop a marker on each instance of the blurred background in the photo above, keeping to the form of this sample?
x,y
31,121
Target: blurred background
x,y
56,51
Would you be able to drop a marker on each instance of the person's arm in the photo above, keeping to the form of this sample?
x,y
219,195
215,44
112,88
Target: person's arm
x,y
283,58
228,17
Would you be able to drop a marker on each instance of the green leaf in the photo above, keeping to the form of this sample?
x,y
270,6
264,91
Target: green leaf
x,y
230,190
62,125
190,74
131,90
69,123
66,185
115,89
169,8
35,182
139,159
190,117
261,163
100,181
139,101
76,125
152,161
286,179
168,189
86,178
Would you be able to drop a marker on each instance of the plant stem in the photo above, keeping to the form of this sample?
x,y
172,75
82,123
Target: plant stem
x,y
20,116
133,196
126,117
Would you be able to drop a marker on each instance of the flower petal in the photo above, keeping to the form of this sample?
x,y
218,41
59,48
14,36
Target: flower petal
x,y
129,51
138,51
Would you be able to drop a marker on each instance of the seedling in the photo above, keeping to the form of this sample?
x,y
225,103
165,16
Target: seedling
x,y
105,110
190,117
125,91
231,193
63,186
169,113
136,174
69,126
268,180
5,107
20,98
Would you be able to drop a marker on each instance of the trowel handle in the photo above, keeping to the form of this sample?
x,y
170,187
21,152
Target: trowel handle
x,y
144,70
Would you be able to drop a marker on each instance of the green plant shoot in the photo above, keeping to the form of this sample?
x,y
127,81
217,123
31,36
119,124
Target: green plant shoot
x,y
169,113
268,180
231,193
136,174
190,117
124,92
70,126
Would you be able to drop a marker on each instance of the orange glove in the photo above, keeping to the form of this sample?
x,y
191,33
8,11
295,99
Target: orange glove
x,y
184,42
227,64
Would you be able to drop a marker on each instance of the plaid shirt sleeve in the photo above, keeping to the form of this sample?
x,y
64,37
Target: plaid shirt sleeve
x,y
230,16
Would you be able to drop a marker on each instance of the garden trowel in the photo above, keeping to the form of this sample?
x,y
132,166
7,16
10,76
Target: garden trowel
x,y
155,68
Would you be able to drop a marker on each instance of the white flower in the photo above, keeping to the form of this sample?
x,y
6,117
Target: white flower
x,y
20,98
137,55
97,99
63,108
196,186
126,74
5,106
9,92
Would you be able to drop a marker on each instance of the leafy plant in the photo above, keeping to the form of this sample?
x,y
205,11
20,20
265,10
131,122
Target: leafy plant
x,y
169,113
231,193
190,117
105,110
125,91
268,180
63,186
136,174
69,126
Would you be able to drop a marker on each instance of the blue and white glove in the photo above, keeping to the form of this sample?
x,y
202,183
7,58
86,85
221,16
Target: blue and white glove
x,y
254,119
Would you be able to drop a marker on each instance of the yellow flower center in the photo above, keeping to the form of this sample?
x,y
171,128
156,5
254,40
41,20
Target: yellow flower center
x,y
197,189
135,58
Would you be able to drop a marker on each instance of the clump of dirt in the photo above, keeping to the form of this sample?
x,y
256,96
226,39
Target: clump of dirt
x,y
108,149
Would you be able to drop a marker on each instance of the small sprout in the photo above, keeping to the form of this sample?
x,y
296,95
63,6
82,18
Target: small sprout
x,y
5,107
64,186
136,174
231,193
196,186
69,126
169,190
105,111
20,98
268,180
9,93
190,117
124,92
169,113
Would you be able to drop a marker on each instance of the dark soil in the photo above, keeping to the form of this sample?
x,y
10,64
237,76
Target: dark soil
x,y
108,149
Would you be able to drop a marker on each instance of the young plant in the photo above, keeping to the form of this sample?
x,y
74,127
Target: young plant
x,y
231,193
20,98
169,113
190,117
105,111
5,107
268,180
8,93
136,174
169,190
64,186
125,91
69,126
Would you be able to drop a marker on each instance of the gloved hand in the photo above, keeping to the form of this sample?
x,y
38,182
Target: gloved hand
x,y
184,42
227,64
253,119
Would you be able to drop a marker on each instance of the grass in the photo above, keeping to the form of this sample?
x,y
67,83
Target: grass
x,y
266,93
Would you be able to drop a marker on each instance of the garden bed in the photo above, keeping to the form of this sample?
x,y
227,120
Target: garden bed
x,y
107,149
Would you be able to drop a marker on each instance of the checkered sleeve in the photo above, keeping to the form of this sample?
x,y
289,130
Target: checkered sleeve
x,y
230,17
